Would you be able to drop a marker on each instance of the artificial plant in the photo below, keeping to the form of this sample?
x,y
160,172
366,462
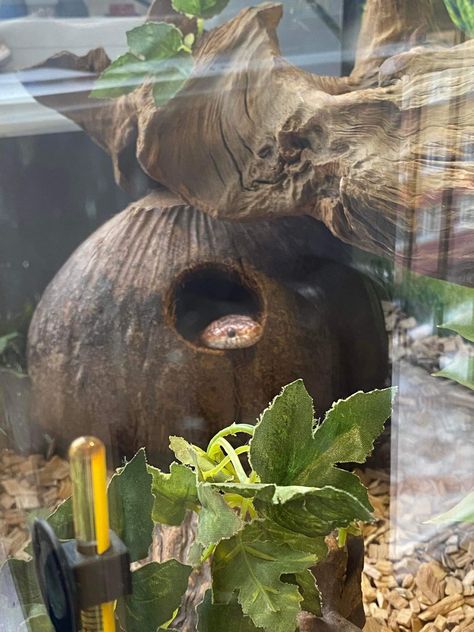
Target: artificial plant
x,y
263,507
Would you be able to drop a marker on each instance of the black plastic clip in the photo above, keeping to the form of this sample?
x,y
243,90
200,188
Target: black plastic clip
x,y
70,581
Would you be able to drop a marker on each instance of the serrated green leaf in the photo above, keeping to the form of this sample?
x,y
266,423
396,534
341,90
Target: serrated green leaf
x,y
220,617
306,583
461,370
282,443
462,512
185,451
42,513
351,426
38,621
123,76
19,586
285,450
252,567
217,520
311,511
157,593
130,506
155,40
175,493
62,522
200,8
350,483
171,77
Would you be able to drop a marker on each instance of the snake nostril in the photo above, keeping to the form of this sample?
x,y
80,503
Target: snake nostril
x,y
231,333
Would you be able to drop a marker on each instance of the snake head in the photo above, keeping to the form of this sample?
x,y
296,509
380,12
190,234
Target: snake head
x,y
234,331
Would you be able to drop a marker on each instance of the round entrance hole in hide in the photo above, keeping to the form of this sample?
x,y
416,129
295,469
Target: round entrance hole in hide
x,y
111,351
207,296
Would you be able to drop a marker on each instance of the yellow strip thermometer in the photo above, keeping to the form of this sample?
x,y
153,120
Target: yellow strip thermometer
x,y
91,518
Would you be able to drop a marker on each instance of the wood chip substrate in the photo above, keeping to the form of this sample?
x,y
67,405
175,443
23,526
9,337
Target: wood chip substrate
x,y
432,590
29,487
426,587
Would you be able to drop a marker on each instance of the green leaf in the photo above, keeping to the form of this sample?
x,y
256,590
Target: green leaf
x,y
306,583
200,8
285,450
18,584
157,52
189,41
190,454
130,504
62,522
283,438
217,520
311,511
309,591
6,340
186,452
297,541
461,370
170,77
462,512
155,40
123,75
461,13
38,621
219,617
157,593
351,426
252,567
175,493
195,554
350,483
464,327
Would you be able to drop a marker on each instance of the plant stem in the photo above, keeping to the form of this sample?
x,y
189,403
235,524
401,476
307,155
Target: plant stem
x,y
220,466
239,470
232,431
200,26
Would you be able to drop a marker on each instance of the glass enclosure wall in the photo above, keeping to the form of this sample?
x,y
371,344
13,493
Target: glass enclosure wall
x,y
236,251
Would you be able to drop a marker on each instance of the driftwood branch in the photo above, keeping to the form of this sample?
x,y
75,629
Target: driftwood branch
x,y
271,139
64,82
252,136
390,27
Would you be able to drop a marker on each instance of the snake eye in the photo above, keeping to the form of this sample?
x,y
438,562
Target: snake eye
x,y
231,333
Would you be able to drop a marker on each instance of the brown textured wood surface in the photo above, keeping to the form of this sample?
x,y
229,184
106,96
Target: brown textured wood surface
x,y
270,140
176,542
390,27
338,578
111,124
250,135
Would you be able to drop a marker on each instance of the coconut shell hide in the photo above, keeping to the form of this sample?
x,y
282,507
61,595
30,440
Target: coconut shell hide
x,y
114,345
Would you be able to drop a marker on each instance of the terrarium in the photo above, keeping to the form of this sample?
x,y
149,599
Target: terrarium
x,y
236,316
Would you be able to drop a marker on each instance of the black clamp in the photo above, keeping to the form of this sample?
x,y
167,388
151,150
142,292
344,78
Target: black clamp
x,y
70,581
